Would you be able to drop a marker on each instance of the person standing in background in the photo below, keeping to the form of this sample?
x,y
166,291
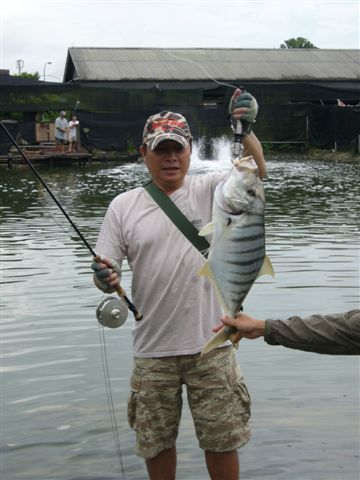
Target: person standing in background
x,y
61,127
73,134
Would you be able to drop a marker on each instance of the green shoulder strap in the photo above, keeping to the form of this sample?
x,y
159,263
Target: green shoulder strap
x,y
177,217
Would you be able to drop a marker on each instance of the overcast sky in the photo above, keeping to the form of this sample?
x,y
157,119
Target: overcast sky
x,y
37,31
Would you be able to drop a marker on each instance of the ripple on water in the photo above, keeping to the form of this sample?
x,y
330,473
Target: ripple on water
x,y
56,422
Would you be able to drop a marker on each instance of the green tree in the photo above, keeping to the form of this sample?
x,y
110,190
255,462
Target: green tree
x,y
299,42
29,76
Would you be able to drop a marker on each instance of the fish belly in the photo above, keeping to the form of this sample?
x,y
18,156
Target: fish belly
x,y
236,261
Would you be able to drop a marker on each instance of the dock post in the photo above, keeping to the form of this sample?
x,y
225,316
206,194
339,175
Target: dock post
x,y
9,161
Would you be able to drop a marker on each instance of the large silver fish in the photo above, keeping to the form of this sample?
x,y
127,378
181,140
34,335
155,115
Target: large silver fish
x,y
237,250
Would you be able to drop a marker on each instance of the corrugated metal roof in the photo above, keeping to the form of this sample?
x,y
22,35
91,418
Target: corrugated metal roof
x,y
122,64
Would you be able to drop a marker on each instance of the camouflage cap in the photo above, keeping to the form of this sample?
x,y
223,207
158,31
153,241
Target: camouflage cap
x,y
166,126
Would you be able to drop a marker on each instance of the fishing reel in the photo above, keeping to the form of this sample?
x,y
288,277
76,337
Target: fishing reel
x,y
112,312
237,146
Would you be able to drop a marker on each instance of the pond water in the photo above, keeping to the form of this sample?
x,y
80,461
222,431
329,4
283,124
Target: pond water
x,y
56,421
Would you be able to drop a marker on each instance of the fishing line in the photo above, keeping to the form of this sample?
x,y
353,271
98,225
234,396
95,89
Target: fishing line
x,y
202,68
114,425
237,128
57,219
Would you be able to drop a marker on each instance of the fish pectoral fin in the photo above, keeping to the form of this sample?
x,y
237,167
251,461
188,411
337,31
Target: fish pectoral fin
x,y
205,270
266,268
207,230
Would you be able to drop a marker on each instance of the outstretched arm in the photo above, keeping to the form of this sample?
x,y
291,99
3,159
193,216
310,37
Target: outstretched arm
x,y
334,334
243,106
252,146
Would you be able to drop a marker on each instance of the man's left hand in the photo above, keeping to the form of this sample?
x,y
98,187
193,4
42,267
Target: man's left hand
x,y
243,106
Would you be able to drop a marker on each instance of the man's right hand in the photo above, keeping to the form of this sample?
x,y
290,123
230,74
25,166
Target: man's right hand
x,y
107,274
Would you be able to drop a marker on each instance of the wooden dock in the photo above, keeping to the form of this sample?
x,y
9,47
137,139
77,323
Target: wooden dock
x,y
44,155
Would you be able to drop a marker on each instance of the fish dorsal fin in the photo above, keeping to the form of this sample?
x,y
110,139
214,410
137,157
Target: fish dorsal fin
x,y
266,268
205,270
207,229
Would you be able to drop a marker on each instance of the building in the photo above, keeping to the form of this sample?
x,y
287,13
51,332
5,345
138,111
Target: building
x,y
297,90
23,101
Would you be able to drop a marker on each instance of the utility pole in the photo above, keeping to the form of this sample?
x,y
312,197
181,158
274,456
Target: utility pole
x,y
47,63
19,65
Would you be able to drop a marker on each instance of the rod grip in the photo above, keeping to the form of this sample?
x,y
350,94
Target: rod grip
x,y
122,294
120,291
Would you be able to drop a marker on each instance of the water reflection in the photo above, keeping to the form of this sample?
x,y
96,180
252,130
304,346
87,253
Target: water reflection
x,y
55,416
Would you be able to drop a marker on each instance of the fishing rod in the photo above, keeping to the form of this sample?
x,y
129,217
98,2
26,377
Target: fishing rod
x,y
110,312
104,308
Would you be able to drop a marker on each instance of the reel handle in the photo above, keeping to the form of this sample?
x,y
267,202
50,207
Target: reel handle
x,y
122,294
238,137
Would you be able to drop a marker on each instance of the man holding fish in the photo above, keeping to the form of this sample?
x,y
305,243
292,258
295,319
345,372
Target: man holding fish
x,y
180,298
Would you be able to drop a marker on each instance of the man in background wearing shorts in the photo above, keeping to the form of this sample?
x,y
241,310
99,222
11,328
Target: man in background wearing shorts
x,y
61,127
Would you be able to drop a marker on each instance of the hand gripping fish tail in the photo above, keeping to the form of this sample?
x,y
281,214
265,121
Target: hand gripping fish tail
x,y
237,250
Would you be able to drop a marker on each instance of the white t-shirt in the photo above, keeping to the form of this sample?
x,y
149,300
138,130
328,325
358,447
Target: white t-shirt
x,y
73,129
63,124
179,307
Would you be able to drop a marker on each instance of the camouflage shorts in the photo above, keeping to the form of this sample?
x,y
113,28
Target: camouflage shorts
x,y
217,396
